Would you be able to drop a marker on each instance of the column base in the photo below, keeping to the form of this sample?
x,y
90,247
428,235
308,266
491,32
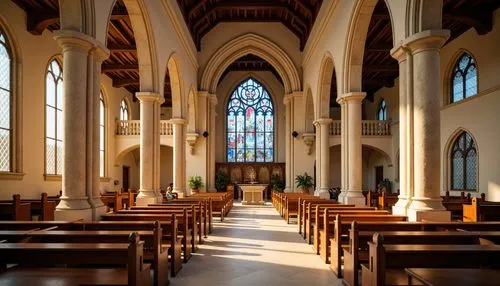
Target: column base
x,y
428,215
288,190
146,197
73,214
322,193
355,198
180,193
97,212
212,190
401,207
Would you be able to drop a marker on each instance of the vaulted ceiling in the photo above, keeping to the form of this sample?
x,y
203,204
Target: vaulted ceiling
x,y
203,15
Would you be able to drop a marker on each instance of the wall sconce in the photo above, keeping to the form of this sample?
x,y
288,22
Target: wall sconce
x,y
205,134
295,134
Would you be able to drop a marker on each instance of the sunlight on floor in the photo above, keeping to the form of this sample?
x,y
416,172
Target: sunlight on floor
x,y
255,246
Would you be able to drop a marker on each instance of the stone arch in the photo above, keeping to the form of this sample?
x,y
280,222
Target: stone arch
x,y
256,45
176,86
324,86
261,80
125,151
423,15
447,80
192,110
309,112
384,154
355,44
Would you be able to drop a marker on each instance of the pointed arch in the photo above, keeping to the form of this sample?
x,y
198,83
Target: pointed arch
x,y
192,110
176,86
326,75
355,44
309,111
461,77
461,161
256,45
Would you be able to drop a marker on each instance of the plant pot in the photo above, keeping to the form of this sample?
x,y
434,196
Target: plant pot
x,y
305,191
195,191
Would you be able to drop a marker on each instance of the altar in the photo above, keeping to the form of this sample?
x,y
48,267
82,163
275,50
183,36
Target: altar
x,y
253,194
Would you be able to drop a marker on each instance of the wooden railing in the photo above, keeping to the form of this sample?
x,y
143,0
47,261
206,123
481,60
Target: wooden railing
x,y
368,128
133,127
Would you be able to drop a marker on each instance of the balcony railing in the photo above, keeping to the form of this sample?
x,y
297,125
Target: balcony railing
x,y
133,127
368,128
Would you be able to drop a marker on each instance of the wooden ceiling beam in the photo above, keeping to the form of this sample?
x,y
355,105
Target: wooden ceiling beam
x,y
378,48
123,82
119,14
380,68
39,20
480,20
119,68
117,48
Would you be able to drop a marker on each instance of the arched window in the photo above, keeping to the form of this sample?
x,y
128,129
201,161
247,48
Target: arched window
x,y
464,163
124,113
250,124
102,137
5,105
53,119
382,111
464,78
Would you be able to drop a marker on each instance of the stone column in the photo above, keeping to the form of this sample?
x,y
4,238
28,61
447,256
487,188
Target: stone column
x,y
288,144
212,101
74,200
179,156
323,126
426,201
97,56
343,151
404,57
149,148
352,102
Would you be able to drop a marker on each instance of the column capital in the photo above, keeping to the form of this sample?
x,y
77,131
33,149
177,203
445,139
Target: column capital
x,y
351,96
178,121
146,96
427,40
73,40
323,121
212,98
400,53
100,52
288,97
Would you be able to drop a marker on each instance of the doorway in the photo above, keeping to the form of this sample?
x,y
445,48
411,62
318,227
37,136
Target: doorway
x,y
379,175
126,178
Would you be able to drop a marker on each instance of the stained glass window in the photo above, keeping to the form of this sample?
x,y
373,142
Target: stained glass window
x,y
102,135
5,106
464,78
382,111
464,163
53,119
124,113
250,124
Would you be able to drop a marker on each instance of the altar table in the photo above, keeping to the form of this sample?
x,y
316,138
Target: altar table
x,y
253,194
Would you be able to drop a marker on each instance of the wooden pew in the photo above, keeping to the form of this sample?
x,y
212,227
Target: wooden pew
x,y
303,203
357,250
87,254
205,216
371,198
384,259
314,211
387,201
292,206
43,208
187,226
15,210
117,200
323,233
221,202
481,211
190,200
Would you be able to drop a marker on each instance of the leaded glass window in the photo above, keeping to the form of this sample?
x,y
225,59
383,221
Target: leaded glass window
x,y
53,119
5,105
464,163
102,135
124,112
464,78
382,111
250,124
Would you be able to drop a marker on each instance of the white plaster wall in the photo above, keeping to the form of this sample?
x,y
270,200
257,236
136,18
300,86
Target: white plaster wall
x,y
335,167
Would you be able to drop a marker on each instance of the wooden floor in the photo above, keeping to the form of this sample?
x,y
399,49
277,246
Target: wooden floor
x,y
254,246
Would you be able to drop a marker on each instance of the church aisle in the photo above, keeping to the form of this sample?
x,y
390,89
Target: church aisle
x,y
254,246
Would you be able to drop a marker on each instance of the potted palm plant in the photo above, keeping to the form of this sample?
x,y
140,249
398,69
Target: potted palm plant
x,y
195,183
221,181
304,182
276,183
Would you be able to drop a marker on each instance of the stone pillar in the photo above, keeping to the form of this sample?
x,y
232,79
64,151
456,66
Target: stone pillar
x,y
149,148
323,128
212,101
426,201
343,150
97,56
404,57
74,200
179,156
288,144
352,108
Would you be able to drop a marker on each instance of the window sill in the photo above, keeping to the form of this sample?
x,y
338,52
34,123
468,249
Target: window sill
x,y
105,179
466,191
54,178
10,176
